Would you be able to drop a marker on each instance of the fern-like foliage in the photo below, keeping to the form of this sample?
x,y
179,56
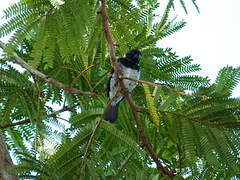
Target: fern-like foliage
x,y
171,69
195,135
183,4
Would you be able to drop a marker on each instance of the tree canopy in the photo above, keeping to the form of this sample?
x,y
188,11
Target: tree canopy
x,y
174,125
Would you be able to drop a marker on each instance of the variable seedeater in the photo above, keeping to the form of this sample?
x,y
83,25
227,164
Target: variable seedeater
x,y
130,68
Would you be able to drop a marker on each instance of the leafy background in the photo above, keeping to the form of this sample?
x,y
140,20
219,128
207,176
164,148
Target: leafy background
x,y
198,137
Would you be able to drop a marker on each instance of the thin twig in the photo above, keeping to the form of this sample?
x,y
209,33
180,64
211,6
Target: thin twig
x,y
211,125
81,73
66,108
140,109
45,77
86,153
15,124
124,163
118,71
163,87
91,138
180,158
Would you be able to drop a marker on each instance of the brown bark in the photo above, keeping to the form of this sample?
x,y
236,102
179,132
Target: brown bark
x,y
164,87
46,78
6,163
143,136
66,108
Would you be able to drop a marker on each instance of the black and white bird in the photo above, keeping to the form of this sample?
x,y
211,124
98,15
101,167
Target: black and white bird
x,y
130,68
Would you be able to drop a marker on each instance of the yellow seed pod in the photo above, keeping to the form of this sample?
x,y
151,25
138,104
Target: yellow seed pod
x,y
150,104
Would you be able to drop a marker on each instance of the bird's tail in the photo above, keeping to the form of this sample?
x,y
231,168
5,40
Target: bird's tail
x,y
111,112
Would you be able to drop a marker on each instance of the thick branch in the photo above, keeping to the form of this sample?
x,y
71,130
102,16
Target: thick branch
x,y
45,77
109,38
118,71
66,108
162,86
6,163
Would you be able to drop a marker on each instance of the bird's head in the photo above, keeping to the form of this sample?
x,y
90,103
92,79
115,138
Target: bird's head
x,y
134,54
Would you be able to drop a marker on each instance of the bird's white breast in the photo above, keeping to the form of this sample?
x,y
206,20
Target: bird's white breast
x,y
131,73
130,85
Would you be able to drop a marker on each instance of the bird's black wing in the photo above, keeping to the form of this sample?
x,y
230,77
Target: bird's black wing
x,y
108,83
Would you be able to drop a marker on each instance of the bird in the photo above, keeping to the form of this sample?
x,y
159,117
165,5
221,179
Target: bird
x,y
130,68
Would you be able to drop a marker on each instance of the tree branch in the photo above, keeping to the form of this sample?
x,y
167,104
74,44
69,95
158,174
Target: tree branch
x,y
6,163
164,87
66,108
118,71
15,124
91,138
50,80
123,164
211,125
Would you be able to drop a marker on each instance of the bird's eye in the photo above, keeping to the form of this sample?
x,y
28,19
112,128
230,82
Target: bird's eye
x,y
136,56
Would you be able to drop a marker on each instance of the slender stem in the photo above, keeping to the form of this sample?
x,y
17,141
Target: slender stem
x,y
91,138
86,153
124,163
144,139
164,87
66,108
45,77
15,124
141,109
